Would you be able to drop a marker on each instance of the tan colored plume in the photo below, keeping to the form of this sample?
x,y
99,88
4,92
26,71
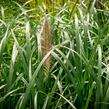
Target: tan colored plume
x,y
46,42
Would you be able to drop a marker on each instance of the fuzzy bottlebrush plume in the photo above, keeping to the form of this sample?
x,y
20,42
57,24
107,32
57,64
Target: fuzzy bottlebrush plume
x,y
46,42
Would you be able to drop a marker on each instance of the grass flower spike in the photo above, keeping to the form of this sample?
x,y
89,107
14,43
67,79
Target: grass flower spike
x,y
46,42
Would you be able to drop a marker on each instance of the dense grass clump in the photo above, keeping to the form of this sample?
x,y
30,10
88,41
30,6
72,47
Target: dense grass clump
x,y
54,55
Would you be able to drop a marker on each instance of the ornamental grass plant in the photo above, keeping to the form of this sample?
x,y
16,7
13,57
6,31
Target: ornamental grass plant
x,y
54,55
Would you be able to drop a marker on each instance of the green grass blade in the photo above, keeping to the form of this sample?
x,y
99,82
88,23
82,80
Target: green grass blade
x,y
3,42
35,100
45,103
13,59
73,107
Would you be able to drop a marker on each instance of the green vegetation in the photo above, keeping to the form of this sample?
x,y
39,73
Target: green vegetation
x,y
78,77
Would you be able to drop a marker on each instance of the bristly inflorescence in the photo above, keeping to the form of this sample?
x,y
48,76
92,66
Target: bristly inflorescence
x,y
46,42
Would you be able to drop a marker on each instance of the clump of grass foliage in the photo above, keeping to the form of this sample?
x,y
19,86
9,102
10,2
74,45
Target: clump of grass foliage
x,y
79,72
